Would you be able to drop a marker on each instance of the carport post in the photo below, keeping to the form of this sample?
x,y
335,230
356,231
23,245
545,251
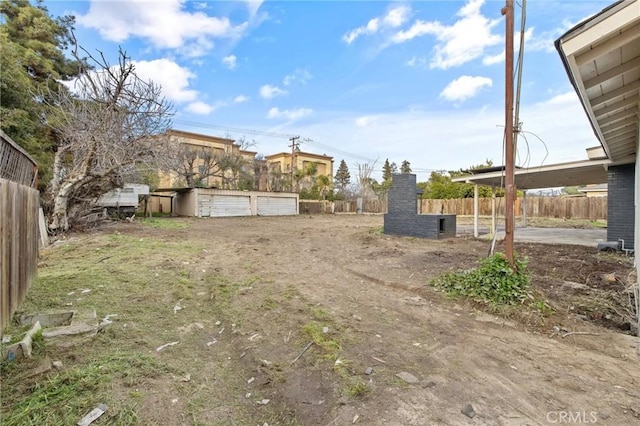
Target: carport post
x,y
524,209
493,211
475,211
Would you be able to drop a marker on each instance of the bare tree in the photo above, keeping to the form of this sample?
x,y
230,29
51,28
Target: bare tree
x,y
109,126
229,166
364,179
260,173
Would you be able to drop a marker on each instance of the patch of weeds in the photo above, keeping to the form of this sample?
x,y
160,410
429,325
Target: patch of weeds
x,y
183,286
221,288
542,307
64,398
164,223
290,293
126,415
269,302
69,247
376,230
357,389
320,314
341,367
329,346
495,281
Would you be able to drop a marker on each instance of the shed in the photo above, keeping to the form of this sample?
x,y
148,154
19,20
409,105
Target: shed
x,y
206,202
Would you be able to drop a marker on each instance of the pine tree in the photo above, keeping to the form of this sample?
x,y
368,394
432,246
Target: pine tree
x,y
33,61
405,167
386,171
343,177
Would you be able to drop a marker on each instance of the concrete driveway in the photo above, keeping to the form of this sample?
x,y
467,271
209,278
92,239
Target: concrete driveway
x,y
583,237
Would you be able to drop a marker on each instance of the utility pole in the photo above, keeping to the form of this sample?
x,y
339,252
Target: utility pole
x,y
295,145
508,137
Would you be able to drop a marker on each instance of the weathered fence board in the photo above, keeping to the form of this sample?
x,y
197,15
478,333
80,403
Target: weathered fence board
x,y
587,208
342,206
19,210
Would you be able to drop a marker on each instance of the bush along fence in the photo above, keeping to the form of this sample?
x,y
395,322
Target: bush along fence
x,y
587,208
19,231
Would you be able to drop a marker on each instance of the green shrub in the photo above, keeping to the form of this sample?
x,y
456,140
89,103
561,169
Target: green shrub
x,y
495,281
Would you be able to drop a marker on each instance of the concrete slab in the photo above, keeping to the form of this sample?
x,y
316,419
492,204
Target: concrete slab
x,y
582,237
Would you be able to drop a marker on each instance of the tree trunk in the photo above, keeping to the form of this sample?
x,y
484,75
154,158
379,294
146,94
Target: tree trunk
x,y
59,218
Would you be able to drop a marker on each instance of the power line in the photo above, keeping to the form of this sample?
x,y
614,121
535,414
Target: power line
x,y
235,129
288,136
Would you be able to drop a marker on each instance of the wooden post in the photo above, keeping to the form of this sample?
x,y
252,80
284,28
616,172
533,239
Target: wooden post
x,y
509,148
476,213
524,209
493,211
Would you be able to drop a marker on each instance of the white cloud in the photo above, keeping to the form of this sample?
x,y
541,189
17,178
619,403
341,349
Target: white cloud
x,y
397,16
230,61
301,75
465,87
166,24
173,78
461,42
366,120
200,108
528,35
253,6
289,114
392,19
493,59
416,62
268,91
240,99
563,98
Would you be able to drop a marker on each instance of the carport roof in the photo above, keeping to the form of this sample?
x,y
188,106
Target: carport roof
x,y
553,175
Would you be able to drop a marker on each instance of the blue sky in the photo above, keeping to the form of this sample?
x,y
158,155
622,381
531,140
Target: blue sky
x,y
361,80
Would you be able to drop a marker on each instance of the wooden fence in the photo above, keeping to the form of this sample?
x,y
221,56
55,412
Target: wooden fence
x,y
587,208
19,220
19,207
342,206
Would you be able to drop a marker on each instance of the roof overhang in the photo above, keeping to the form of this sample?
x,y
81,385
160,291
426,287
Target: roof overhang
x,y
602,58
550,176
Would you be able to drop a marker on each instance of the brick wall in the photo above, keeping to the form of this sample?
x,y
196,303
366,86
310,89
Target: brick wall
x,y
403,218
621,209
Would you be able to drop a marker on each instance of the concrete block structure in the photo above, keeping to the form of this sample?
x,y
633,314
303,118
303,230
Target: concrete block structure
x,y
621,204
403,217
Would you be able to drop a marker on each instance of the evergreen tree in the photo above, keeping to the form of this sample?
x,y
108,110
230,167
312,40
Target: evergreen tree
x,y
394,168
343,177
33,62
405,167
386,171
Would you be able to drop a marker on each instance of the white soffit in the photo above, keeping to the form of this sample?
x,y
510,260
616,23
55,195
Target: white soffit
x,y
602,58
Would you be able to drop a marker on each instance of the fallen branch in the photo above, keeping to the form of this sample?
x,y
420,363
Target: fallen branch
x,y
166,345
303,351
579,333
378,359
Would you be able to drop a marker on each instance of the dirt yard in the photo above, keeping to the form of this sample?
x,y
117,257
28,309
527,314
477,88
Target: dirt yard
x,y
244,297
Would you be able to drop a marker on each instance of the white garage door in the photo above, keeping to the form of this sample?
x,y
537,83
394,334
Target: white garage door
x,y
230,205
272,206
204,205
